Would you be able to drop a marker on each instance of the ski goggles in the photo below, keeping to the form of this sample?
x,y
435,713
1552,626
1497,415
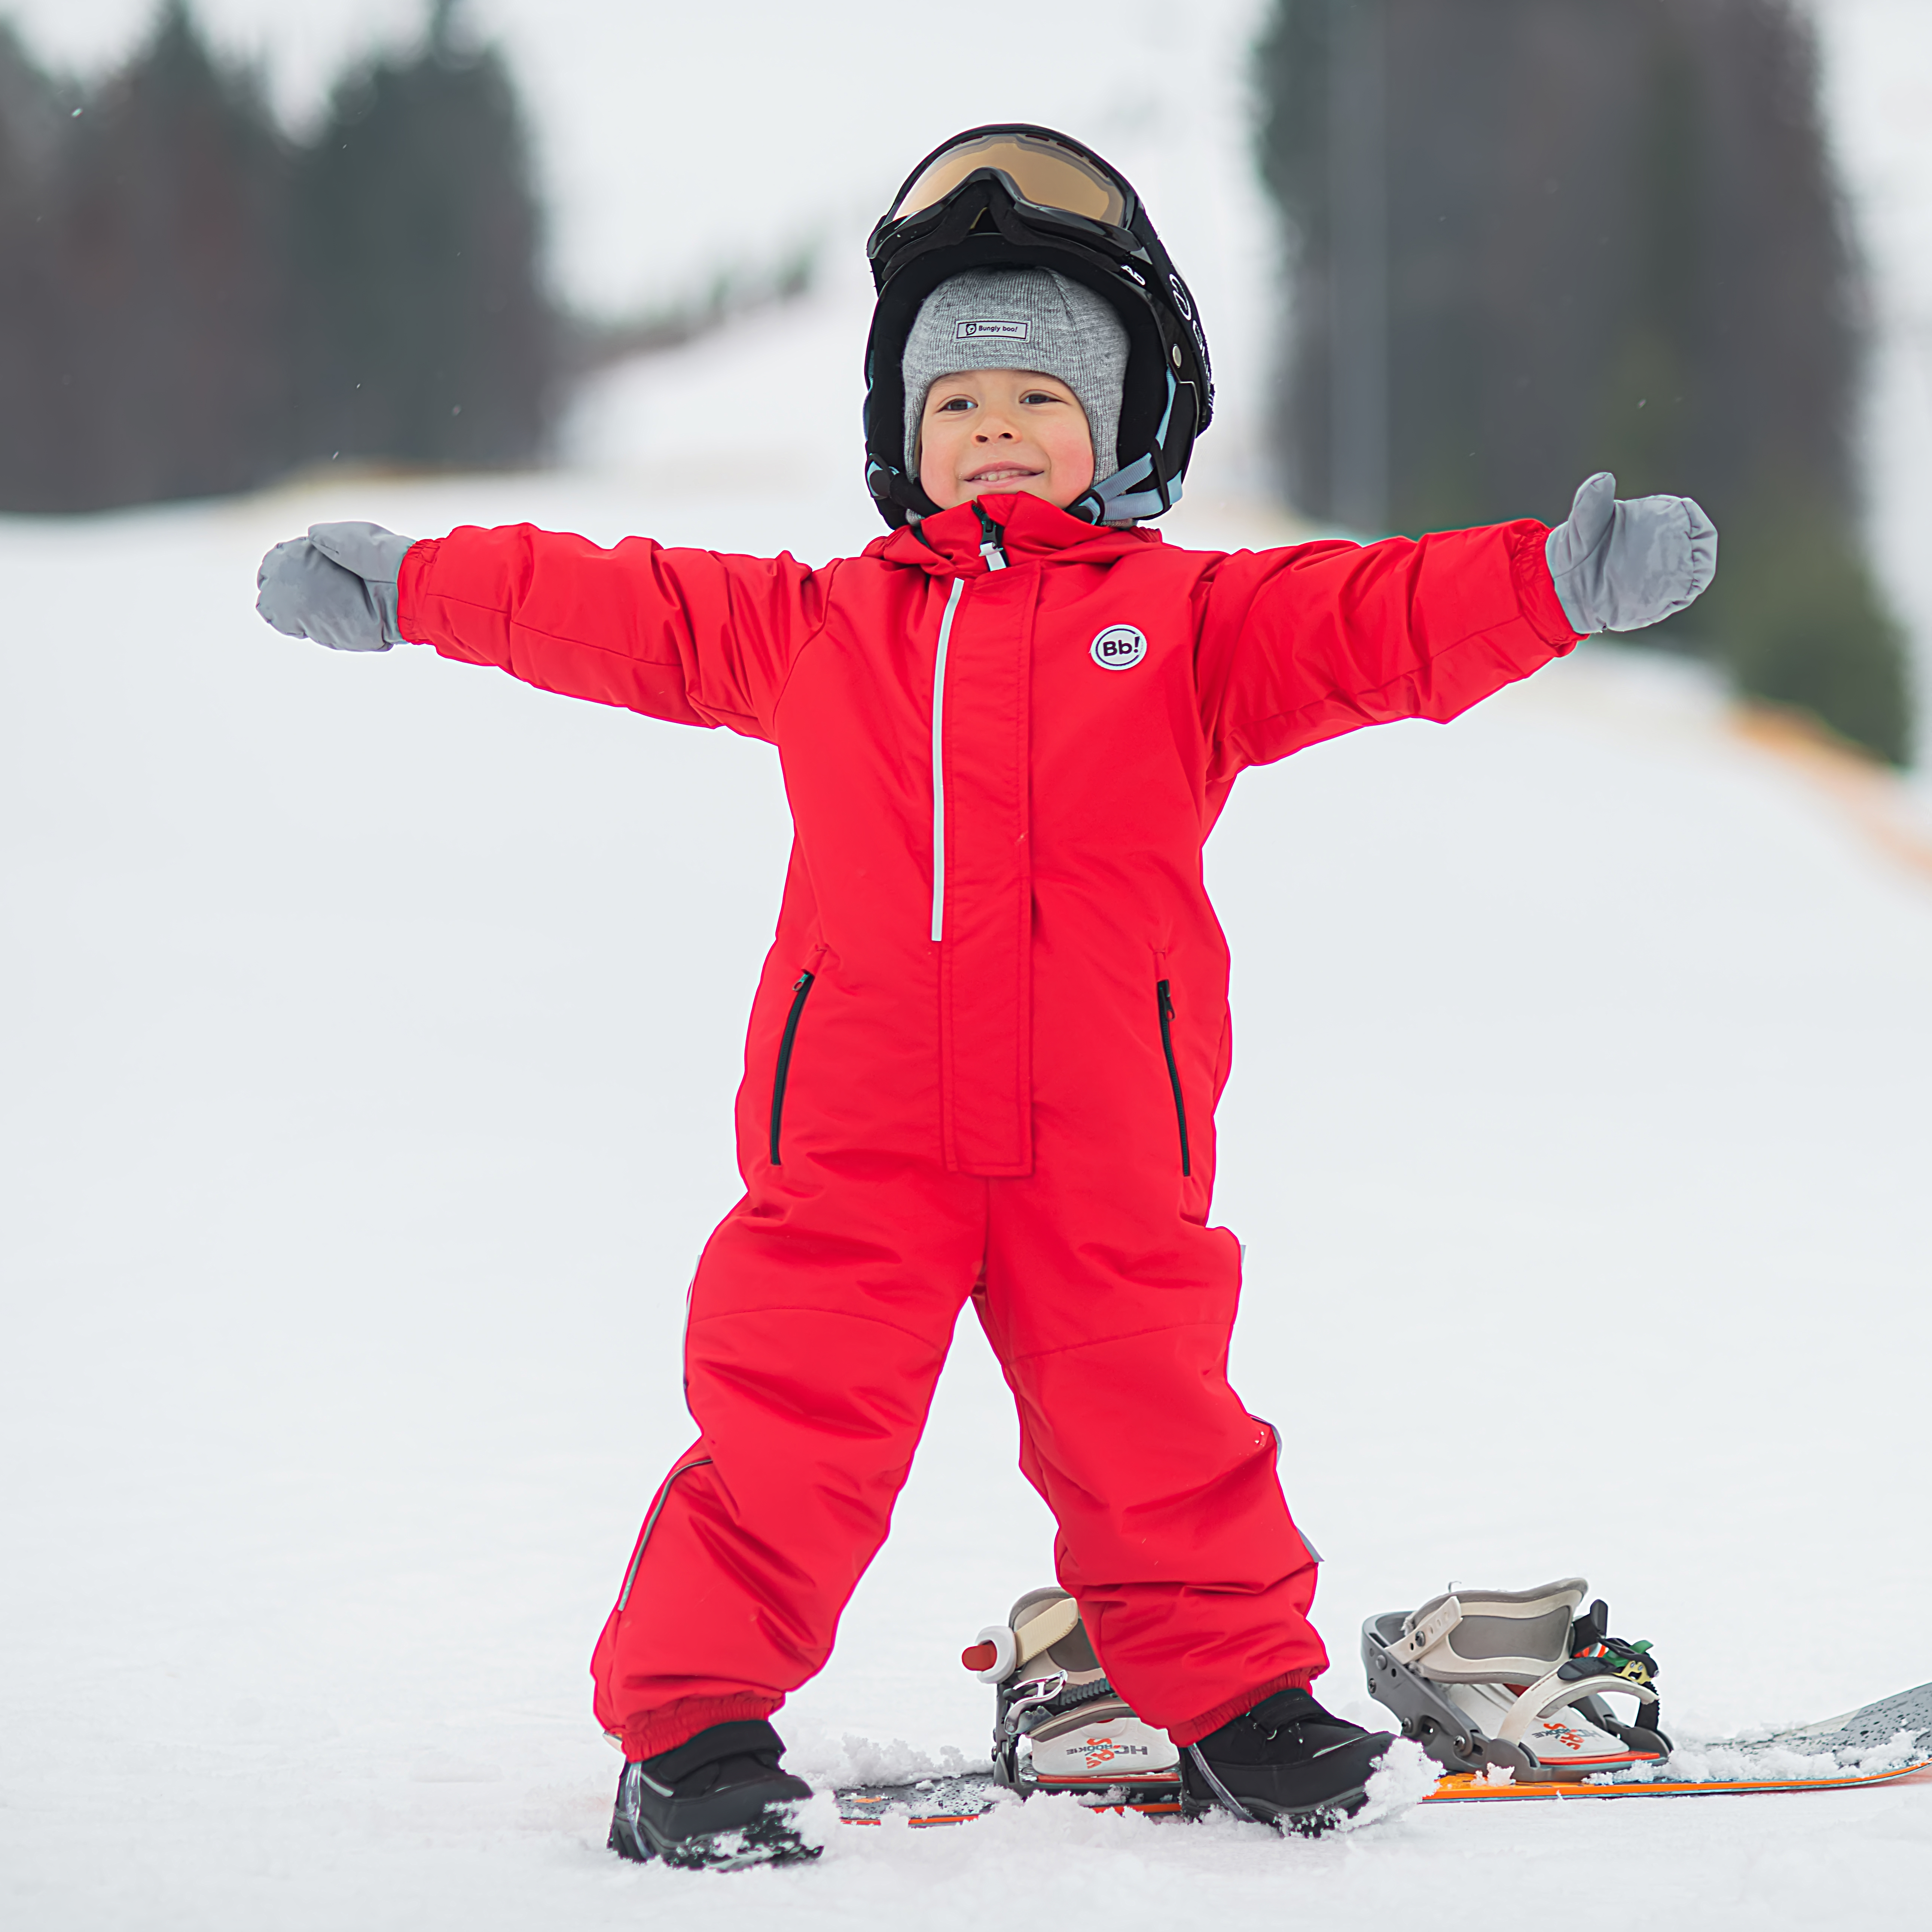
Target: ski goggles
x,y
1042,177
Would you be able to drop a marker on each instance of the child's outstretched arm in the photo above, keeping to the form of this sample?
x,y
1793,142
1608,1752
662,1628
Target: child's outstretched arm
x,y
692,636
1302,644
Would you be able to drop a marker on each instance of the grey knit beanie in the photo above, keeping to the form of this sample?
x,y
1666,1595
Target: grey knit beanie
x,y
1021,319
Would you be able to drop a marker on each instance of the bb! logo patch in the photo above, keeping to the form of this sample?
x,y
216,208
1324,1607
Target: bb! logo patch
x,y
1001,332
1119,647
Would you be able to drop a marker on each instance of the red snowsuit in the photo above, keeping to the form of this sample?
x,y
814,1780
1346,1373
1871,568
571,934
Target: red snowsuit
x,y
987,1048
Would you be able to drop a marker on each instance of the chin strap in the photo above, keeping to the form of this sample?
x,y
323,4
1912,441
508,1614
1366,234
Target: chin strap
x,y
1136,490
1130,496
888,485
1121,499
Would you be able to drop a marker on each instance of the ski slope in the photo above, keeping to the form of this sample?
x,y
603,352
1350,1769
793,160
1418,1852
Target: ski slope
x,y
371,1028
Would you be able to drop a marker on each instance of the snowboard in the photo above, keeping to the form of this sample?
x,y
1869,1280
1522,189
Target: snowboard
x,y
1896,1731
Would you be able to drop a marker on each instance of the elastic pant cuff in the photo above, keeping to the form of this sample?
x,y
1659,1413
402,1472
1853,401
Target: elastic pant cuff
x,y
747,1737
1196,1729
651,1733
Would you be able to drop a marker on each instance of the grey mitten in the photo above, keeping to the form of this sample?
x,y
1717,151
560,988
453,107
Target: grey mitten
x,y
1620,566
337,585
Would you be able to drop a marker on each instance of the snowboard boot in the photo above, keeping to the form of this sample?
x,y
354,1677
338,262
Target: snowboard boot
x,y
1514,1681
1287,1763
1058,1725
718,1801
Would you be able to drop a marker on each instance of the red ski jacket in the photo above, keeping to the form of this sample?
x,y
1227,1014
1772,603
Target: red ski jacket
x,y
1002,768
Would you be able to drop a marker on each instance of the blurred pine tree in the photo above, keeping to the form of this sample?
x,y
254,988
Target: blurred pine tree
x,y
1537,238
32,392
174,264
145,284
426,336
189,304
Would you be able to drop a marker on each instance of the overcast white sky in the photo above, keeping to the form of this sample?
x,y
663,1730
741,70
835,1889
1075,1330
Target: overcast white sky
x,y
677,138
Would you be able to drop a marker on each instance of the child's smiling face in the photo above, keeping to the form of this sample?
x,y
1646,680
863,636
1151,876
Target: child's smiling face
x,y
989,432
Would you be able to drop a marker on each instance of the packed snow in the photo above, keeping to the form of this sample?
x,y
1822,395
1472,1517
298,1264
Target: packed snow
x,y
371,1028
1717,1763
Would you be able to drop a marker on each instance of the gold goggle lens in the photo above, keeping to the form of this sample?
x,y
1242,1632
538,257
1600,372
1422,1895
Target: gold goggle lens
x,y
1046,175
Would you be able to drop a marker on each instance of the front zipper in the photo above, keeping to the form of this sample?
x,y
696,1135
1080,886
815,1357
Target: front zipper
x,y
1166,999
939,762
995,558
801,987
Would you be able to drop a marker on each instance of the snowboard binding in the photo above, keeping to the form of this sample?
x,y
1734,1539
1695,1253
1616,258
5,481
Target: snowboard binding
x,y
1058,1725
1513,1681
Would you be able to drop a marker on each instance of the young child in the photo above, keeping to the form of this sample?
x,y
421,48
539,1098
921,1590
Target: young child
x,y
987,1047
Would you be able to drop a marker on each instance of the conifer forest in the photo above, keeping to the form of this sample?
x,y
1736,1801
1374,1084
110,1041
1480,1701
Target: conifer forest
x,y
193,302
1535,238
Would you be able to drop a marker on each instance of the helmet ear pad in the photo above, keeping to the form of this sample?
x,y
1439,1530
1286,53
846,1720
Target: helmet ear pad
x,y
1144,392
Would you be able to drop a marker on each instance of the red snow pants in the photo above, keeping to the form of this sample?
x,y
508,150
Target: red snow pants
x,y
819,1319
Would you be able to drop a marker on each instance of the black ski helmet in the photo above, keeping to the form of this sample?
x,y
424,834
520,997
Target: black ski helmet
x,y
1016,196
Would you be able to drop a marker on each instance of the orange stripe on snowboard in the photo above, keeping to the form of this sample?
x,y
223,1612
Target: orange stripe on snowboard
x,y
1464,1788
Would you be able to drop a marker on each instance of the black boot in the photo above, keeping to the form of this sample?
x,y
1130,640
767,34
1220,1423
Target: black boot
x,y
1288,1762
719,1800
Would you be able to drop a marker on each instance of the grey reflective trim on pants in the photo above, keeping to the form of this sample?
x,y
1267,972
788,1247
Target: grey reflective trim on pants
x,y
1276,1433
650,1523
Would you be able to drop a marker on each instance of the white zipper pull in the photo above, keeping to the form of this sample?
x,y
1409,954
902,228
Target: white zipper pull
x,y
995,557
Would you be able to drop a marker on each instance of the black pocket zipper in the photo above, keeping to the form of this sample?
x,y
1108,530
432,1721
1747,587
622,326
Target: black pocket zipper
x,y
1173,1073
783,1072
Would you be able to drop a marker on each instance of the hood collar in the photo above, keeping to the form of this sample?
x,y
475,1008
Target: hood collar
x,y
1030,530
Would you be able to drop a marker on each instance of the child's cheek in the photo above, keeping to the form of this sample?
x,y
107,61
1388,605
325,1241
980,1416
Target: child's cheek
x,y
1072,456
936,466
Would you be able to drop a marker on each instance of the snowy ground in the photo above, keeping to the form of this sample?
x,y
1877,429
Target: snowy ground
x,y
371,1028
